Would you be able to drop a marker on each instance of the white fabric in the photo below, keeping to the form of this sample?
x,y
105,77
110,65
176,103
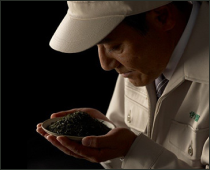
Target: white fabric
x,y
179,49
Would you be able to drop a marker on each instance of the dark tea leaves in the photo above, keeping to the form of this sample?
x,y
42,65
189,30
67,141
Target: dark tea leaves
x,y
78,124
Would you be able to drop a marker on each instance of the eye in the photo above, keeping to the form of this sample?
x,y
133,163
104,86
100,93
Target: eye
x,y
115,48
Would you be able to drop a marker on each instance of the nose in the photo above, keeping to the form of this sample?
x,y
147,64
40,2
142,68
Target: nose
x,y
106,60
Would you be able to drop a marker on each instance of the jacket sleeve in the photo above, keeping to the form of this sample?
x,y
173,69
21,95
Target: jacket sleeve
x,y
205,154
146,154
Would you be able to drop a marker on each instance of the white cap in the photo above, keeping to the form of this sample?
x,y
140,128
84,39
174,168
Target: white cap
x,y
88,22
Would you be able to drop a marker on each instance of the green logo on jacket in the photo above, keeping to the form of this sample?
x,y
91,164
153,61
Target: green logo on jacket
x,y
194,116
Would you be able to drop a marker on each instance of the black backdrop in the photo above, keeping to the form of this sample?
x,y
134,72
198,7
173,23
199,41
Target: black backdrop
x,y
38,81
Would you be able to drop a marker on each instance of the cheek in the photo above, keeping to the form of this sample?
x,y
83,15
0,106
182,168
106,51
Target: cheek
x,y
129,58
128,62
134,58
135,62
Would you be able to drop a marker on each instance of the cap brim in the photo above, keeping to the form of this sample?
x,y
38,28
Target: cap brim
x,y
75,35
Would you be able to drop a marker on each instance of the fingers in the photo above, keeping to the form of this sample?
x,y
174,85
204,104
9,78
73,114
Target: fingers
x,y
41,131
104,141
61,147
118,139
97,148
53,140
90,154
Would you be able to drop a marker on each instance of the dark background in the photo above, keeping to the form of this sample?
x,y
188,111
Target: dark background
x,y
38,81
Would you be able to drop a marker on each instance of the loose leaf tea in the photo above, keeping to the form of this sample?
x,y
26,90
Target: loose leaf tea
x,y
78,124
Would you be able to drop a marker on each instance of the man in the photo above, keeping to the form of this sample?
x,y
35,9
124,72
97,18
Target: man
x,y
144,41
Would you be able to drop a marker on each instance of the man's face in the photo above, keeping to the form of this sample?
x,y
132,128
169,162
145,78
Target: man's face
x,y
140,58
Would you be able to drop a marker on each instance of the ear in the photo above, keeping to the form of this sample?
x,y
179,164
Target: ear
x,y
163,18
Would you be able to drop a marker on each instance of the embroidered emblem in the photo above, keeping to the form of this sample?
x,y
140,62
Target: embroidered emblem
x,y
194,116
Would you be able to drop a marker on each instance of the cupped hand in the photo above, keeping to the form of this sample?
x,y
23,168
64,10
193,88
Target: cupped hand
x,y
116,143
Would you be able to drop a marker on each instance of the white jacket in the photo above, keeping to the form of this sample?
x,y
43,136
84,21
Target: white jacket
x,y
173,131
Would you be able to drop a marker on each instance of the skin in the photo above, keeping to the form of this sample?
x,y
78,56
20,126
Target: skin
x,y
141,59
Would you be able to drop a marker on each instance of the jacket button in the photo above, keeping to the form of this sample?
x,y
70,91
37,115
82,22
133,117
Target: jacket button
x,y
129,117
190,150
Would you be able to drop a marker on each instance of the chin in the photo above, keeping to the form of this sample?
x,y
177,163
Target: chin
x,y
138,83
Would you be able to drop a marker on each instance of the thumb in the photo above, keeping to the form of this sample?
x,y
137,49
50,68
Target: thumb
x,y
108,140
97,141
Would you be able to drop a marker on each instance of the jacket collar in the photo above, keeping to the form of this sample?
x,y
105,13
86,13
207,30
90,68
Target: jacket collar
x,y
196,67
194,64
